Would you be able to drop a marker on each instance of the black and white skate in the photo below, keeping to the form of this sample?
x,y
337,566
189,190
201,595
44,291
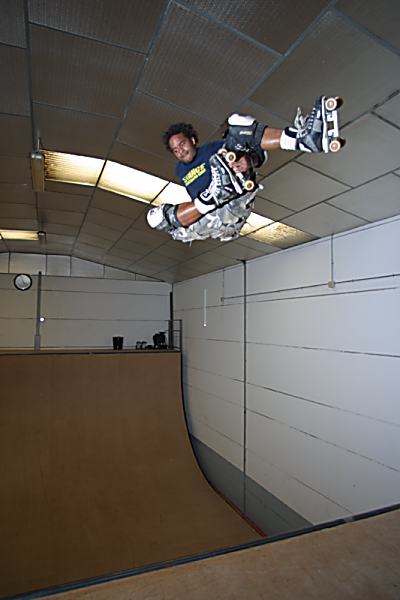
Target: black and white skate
x,y
319,131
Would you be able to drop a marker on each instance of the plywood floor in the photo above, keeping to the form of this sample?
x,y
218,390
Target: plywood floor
x,y
97,473
354,561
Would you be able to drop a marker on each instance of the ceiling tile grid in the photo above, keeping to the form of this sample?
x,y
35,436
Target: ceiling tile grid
x,y
390,110
337,58
82,74
121,22
378,199
12,23
202,67
106,79
323,219
381,18
373,149
14,97
74,132
296,187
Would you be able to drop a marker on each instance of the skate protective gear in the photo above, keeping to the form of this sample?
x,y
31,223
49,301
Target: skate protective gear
x,y
244,135
309,132
223,187
163,217
223,223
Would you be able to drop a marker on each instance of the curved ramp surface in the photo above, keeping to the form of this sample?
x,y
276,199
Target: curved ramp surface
x,y
97,472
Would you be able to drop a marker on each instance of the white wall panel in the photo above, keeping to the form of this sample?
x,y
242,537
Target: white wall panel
x,y
224,417
191,295
311,504
361,384
296,267
231,451
222,323
357,322
221,358
58,265
27,263
86,268
374,251
375,440
353,482
233,282
4,262
228,389
17,333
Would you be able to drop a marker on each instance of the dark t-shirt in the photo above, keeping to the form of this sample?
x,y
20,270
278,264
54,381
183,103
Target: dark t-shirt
x,y
196,175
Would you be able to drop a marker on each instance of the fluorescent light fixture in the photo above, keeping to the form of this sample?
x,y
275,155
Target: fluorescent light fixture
x,y
72,168
18,234
37,169
172,194
131,182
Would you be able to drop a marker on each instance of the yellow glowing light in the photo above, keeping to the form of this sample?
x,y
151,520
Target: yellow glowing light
x,y
172,194
130,182
72,168
18,234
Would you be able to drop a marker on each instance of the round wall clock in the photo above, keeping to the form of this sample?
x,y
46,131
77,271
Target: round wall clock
x,y
23,282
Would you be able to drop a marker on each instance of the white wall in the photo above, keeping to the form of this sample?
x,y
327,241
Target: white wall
x,y
80,311
320,406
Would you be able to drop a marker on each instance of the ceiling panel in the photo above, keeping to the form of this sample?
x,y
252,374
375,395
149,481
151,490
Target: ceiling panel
x,y
202,67
12,223
74,132
17,193
62,217
381,18
99,231
16,135
336,59
120,205
17,211
390,110
93,240
375,200
148,118
15,170
274,24
82,74
270,209
324,220
373,149
107,219
12,23
59,201
14,97
296,187
102,20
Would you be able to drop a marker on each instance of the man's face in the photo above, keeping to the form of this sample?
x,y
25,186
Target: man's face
x,y
182,147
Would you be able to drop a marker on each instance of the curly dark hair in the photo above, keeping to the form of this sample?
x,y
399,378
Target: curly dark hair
x,y
185,128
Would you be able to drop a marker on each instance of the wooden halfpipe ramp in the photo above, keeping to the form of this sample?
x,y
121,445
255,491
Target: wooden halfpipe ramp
x,y
97,474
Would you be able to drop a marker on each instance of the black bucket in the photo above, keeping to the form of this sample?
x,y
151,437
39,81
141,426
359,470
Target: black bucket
x,y
118,342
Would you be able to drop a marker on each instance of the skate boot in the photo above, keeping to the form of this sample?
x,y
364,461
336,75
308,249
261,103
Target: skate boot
x,y
224,186
318,131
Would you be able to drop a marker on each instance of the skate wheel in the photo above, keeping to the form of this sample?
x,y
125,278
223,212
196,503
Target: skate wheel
x,y
230,157
249,185
335,145
333,103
